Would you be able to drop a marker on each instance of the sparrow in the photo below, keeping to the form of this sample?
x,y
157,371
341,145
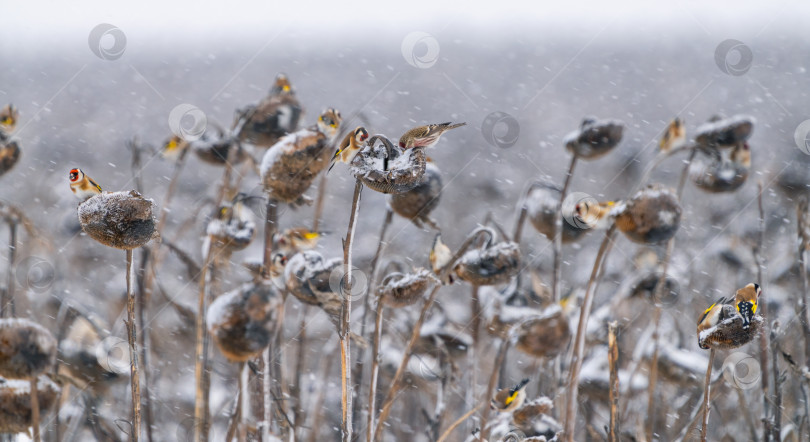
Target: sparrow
x,y
715,314
275,116
296,239
351,145
746,302
674,137
8,118
440,256
82,185
510,399
425,136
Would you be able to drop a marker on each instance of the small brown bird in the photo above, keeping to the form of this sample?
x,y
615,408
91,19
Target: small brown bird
x,y
440,256
510,399
741,155
746,302
296,239
82,185
715,314
272,118
425,136
173,148
592,215
674,137
351,145
8,118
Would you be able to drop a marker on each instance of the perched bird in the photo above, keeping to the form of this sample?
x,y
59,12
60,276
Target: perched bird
x,y
674,137
296,239
440,256
290,166
275,116
510,399
8,118
715,314
351,145
174,148
425,136
746,302
592,214
741,155
82,185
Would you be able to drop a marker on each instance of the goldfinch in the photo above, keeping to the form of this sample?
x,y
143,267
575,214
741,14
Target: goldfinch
x,y
174,148
275,116
351,145
746,302
329,123
510,399
296,239
715,314
440,256
425,136
592,214
82,185
741,155
8,118
674,137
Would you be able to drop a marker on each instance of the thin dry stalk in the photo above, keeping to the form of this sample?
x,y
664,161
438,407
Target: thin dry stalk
x,y
475,313
375,351
579,341
801,213
657,295
201,356
458,422
776,425
300,364
763,310
395,382
7,307
345,330
706,390
558,232
613,359
133,354
244,402
35,409
277,367
395,387
316,219
262,397
493,381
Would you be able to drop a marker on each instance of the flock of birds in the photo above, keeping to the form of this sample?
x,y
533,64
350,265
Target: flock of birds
x,y
721,153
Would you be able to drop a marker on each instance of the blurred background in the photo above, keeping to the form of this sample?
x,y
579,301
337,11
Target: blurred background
x,y
540,67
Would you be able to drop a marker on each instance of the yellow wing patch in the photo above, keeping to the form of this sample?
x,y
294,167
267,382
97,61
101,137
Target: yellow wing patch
x,y
711,307
311,235
511,397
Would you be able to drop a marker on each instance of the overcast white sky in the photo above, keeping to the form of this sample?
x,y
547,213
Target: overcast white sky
x,y
33,21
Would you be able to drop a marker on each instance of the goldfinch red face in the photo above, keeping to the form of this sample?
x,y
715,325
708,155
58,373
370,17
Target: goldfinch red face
x,y
75,175
360,136
329,122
